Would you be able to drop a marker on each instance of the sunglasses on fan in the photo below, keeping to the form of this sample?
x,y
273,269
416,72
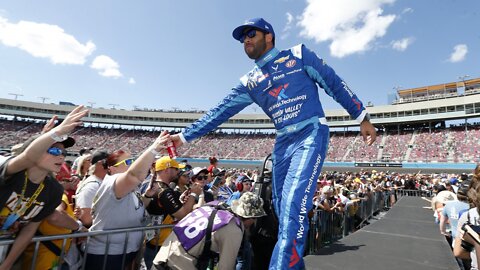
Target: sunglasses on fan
x,y
55,151
127,162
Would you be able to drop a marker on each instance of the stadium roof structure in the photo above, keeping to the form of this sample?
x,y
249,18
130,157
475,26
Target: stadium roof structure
x,y
459,106
437,91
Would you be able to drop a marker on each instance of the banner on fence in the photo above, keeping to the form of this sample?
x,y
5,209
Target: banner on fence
x,y
378,164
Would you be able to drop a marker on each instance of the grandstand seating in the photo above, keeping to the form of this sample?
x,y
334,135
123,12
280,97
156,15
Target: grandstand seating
x,y
444,145
430,147
396,146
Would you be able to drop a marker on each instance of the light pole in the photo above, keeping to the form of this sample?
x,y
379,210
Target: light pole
x,y
464,108
43,99
91,104
463,80
396,88
16,95
113,105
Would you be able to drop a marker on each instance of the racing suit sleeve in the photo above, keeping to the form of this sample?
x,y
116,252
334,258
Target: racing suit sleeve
x,y
236,101
333,85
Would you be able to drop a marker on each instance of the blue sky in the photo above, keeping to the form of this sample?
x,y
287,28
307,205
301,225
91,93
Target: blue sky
x,y
166,54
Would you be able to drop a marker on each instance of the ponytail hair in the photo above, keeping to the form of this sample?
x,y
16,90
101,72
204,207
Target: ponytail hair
x,y
213,160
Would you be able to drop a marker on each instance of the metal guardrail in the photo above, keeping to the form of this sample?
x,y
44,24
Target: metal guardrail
x,y
325,227
414,193
328,227
65,237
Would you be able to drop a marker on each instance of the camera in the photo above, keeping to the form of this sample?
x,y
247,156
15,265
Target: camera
x,y
465,245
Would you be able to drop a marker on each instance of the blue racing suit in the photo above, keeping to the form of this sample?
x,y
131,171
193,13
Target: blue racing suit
x,y
284,84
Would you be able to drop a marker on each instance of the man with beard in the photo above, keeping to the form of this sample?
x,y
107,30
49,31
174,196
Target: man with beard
x,y
284,84
163,203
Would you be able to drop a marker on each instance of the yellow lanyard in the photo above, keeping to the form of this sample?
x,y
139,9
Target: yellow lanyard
x,y
21,210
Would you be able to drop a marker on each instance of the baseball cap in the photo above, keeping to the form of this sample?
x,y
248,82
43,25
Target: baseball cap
x,y
444,196
453,181
242,179
464,187
186,171
84,150
218,172
198,170
258,23
68,142
99,155
249,205
166,162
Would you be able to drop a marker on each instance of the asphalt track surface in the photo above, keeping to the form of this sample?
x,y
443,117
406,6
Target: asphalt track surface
x,y
405,238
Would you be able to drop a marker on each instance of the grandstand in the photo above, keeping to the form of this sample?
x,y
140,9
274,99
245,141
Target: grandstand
x,y
412,129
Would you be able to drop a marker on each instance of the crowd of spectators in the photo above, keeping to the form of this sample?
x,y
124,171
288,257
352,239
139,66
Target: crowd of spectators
x,y
108,191
455,209
396,146
454,144
431,146
104,186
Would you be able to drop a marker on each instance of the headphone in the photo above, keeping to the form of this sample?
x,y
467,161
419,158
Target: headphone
x,y
239,186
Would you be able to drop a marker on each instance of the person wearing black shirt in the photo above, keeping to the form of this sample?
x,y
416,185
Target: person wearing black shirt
x,y
28,191
163,203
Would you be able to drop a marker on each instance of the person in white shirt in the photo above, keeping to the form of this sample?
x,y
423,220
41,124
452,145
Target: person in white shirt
x,y
88,188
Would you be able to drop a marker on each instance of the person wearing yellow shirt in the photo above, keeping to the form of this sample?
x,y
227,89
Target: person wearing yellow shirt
x,y
47,257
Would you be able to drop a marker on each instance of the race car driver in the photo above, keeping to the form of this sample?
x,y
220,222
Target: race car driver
x,y
284,84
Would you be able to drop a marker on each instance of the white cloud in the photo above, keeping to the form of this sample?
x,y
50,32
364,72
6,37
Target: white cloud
x,y
459,53
132,81
289,21
45,41
288,26
402,44
407,10
106,66
351,26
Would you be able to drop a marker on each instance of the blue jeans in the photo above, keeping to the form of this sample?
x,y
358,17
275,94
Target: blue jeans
x,y
244,258
149,255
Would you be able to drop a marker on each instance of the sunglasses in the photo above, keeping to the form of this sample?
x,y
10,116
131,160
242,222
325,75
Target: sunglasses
x,y
250,33
55,151
201,177
127,162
